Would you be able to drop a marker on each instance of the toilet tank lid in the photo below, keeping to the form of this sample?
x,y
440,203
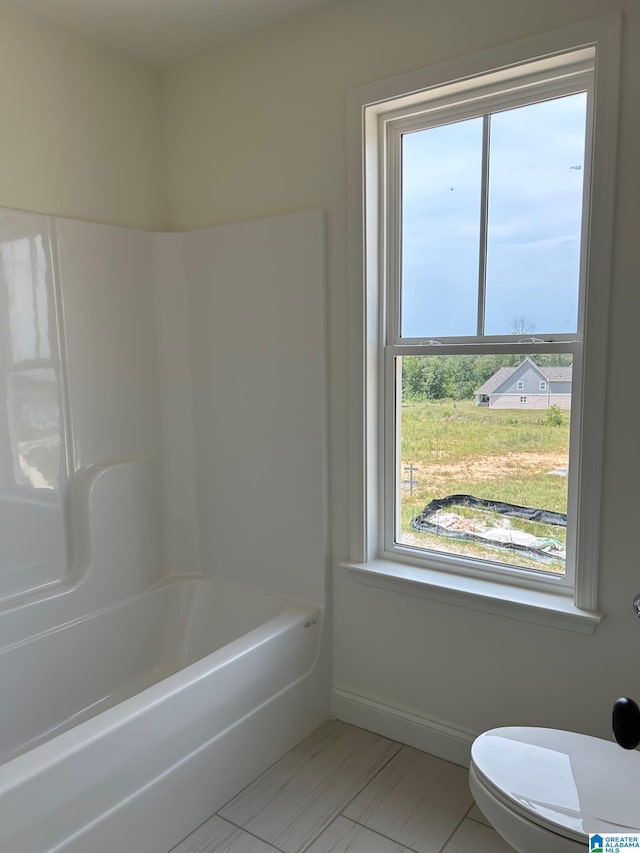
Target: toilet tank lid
x,y
571,783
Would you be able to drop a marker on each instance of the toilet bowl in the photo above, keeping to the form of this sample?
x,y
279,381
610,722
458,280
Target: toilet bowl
x,y
544,789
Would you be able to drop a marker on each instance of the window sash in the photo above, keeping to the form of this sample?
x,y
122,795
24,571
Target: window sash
x,y
390,463
391,131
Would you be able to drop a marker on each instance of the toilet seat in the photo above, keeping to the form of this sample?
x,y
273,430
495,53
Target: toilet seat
x,y
525,814
566,783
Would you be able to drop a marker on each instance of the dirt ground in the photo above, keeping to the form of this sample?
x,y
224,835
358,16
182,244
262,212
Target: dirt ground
x,y
481,468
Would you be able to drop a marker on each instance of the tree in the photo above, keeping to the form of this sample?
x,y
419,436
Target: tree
x,y
435,379
413,379
522,326
462,379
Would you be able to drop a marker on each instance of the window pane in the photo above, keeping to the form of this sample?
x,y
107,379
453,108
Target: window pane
x,y
483,468
441,189
536,171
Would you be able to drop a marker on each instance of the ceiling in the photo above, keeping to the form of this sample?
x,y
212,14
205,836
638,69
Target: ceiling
x,y
162,32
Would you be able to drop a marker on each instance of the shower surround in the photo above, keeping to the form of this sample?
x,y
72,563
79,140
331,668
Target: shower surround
x,y
163,521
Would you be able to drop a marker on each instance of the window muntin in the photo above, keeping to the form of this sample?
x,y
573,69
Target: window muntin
x,y
403,334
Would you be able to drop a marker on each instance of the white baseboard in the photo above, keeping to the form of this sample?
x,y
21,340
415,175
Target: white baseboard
x,y
413,728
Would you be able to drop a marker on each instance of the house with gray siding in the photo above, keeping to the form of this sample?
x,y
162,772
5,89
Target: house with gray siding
x,y
526,386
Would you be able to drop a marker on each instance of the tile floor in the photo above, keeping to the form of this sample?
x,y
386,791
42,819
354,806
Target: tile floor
x,y
346,790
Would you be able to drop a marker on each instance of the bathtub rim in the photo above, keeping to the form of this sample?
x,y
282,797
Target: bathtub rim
x,y
20,769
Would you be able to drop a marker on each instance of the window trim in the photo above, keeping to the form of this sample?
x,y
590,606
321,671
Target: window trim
x,y
367,307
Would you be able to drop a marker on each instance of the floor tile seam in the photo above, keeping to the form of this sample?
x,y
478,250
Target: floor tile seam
x,y
375,775
193,831
342,807
219,814
456,828
252,834
326,783
316,837
468,816
340,812
383,835
478,822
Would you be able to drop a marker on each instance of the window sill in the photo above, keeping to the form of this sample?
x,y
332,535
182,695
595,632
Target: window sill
x,y
527,605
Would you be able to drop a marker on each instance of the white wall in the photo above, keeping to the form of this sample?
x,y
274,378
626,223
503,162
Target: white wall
x,y
258,128
81,128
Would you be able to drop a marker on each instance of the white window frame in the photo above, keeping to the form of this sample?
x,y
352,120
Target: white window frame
x,y
543,385
520,385
539,601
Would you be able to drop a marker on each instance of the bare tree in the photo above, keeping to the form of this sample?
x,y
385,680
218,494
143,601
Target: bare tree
x,y
522,326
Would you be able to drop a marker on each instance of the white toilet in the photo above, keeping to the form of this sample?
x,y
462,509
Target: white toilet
x,y
546,790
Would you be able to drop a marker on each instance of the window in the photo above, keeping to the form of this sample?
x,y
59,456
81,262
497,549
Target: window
x,y
486,221
486,260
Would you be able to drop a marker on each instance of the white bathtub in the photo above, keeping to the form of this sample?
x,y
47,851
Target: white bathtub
x,y
126,729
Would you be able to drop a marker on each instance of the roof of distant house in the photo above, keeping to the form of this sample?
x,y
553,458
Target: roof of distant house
x,y
557,374
551,374
496,380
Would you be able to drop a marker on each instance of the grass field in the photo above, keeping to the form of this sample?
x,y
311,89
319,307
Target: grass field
x,y
499,454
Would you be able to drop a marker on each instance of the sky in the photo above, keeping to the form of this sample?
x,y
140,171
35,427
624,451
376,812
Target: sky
x,y
535,208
